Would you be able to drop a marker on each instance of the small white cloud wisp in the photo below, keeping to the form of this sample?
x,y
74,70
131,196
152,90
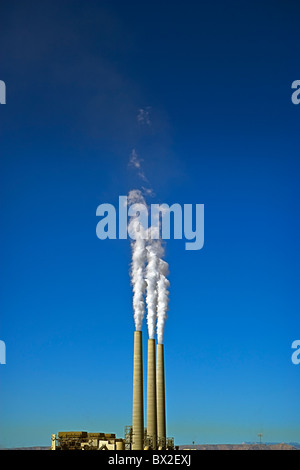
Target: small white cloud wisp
x,y
136,162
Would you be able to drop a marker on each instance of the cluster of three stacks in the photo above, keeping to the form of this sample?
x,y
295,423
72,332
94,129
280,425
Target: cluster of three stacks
x,y
155,437
148,278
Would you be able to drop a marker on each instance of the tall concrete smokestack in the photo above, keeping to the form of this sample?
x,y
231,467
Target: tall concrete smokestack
x,y
138,401
161,401
151,395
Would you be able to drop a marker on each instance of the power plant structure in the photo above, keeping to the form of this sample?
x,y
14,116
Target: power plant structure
x,y
138,391
161,399
151,397
150,288
154,436
137,437
82,440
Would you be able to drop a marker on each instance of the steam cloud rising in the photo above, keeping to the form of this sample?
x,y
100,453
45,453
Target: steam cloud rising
x,y
162,299
148,275
139,255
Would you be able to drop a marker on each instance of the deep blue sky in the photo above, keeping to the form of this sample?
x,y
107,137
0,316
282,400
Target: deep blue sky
x,y
217,77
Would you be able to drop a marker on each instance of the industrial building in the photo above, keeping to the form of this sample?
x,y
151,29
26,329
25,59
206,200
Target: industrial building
x,y
82,440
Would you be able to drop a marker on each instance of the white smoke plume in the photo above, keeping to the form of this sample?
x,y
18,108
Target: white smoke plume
x,y
138,280
135,197
148,274
162,299
139,255
154,251
157,297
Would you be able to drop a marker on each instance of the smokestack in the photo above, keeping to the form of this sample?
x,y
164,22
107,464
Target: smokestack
x,y
161,401
151,395
138,402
